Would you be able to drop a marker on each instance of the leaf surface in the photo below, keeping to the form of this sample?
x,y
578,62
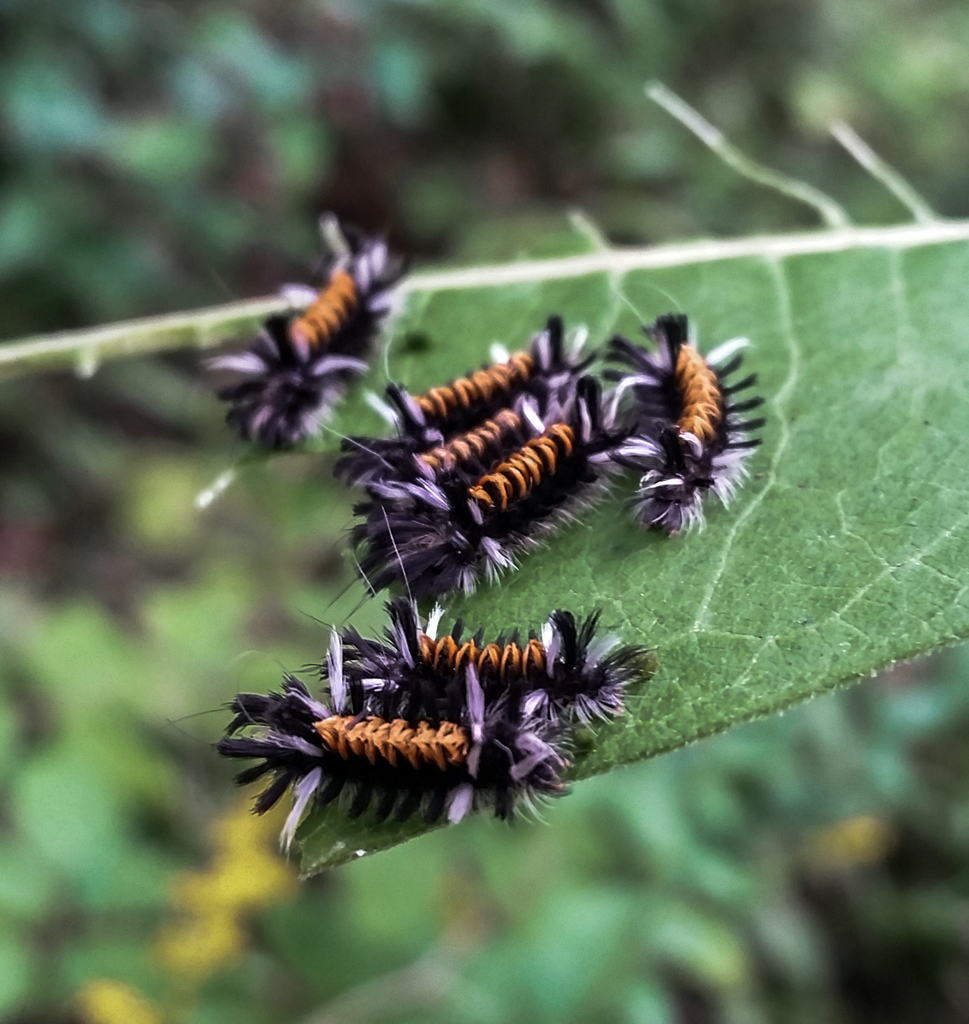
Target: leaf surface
x,y
847,549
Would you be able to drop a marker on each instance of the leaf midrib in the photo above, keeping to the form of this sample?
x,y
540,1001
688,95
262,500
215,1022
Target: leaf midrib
x,y
620,261
211,326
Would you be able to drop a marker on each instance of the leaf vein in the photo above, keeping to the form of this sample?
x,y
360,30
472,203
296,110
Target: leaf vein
x,y
779,405
916,560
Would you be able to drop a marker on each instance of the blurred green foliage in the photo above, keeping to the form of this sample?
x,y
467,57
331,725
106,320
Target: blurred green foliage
x,y
158,156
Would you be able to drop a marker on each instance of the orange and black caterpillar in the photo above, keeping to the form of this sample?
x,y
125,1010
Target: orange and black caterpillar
x,y
413,723
300,363
446,531
544,376
461,746
489,755
689,435
564,671
468,456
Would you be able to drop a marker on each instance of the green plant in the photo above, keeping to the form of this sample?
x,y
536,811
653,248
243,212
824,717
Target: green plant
x,y
841,555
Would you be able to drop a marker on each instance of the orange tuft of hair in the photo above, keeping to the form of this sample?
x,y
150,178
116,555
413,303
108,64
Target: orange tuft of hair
x,y
513,479
329,311
700,393
481,386
444,745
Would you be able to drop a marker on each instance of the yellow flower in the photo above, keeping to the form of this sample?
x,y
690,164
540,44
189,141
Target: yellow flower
x,y
242,881
198,946
103,1001
863,839
238,829
245,874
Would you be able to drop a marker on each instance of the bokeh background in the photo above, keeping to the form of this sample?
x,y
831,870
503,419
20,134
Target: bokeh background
x,y
158,156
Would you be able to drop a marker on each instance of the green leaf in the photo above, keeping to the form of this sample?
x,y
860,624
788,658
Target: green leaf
x,y
847,549
841,556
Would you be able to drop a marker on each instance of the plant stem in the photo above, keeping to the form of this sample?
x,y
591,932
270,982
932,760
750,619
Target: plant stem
x,y
85,350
